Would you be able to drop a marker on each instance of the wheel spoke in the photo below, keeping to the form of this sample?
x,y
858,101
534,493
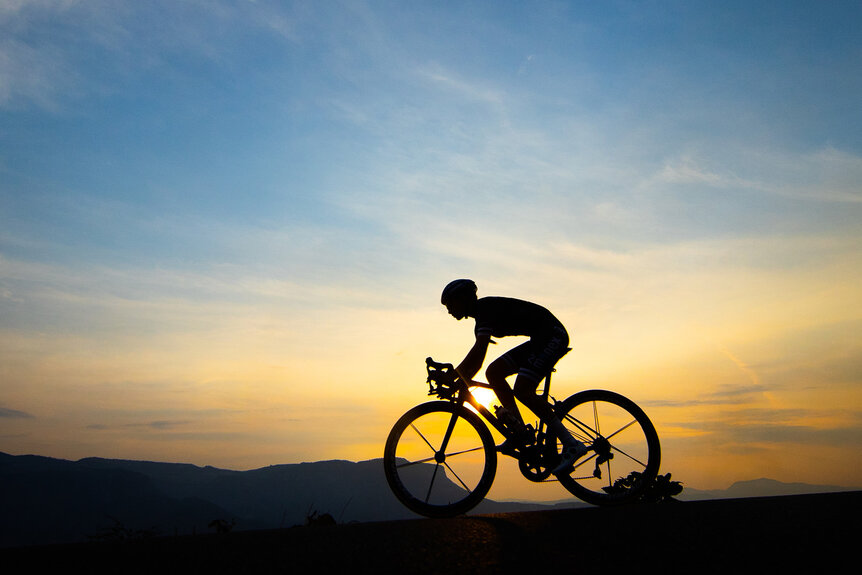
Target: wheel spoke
x,y
416,429
586,429
448,455
582,461
635,459
614,447
587,432
432,458
623,428
452,471
596,417
431,484
610,474
417,462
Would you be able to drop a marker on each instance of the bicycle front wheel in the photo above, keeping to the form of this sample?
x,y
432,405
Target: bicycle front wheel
x,y
440,459
625,454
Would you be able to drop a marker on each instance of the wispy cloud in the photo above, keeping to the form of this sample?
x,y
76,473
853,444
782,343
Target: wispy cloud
x,y
746,369
156,425
40,64
758,431
825,175
5,412
464,89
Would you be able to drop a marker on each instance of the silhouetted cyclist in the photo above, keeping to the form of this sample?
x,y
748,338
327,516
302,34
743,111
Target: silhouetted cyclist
x,y
532,361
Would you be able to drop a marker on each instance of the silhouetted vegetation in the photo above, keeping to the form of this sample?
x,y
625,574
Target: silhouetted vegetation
x,y
222,525
315,519
658,490
119,532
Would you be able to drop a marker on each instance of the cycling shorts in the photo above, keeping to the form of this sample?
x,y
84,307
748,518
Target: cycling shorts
x,y
536,358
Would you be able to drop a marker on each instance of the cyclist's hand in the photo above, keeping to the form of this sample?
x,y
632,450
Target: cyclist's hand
x,y
442,376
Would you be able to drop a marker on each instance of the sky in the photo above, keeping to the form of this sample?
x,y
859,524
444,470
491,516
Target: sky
x,y
225,225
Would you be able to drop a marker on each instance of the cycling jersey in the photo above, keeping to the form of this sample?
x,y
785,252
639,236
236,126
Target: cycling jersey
x,y
501,317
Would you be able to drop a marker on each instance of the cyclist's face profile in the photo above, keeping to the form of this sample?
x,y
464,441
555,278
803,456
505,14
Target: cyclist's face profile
x,y
457,308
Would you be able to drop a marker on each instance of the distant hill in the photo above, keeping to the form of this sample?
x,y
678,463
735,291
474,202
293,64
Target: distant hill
x,y
762,487
45,500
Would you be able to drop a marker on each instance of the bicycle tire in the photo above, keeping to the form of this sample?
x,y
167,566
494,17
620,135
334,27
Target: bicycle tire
x,y
413,460
613,424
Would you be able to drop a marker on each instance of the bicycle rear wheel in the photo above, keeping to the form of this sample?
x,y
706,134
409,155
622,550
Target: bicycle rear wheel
x,y
626,452
440,459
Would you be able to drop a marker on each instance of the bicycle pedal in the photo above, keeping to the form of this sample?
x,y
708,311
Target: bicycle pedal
x,y
511,452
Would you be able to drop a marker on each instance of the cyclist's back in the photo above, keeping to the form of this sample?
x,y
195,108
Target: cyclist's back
x,y
504,316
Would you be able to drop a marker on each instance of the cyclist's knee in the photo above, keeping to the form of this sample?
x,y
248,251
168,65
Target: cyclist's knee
x,y
498,371
525,389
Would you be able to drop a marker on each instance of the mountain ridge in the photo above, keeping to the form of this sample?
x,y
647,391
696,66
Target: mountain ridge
x,y
761,487
49,500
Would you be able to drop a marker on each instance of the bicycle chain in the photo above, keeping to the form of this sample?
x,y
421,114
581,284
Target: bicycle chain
x,y
585,477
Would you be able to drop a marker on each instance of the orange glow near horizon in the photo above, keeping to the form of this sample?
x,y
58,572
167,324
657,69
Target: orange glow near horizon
x,y
736,387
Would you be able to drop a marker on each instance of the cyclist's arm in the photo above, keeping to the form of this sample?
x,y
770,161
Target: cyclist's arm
x,y
468,368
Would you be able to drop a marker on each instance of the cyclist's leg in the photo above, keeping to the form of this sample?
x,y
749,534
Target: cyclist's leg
x,y
572,450
525,390
538,364
497,372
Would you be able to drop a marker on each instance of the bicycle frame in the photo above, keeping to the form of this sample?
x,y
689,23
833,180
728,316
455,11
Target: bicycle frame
x,y
461,394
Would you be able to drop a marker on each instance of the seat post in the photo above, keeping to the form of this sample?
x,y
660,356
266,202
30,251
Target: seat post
x,y
546,392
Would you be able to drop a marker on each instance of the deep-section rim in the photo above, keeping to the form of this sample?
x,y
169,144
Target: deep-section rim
x,y
482,486
654,460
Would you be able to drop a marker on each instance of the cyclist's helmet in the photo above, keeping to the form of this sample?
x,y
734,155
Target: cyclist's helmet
x,y
457,289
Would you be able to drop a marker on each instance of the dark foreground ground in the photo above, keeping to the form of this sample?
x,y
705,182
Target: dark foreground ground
x,y
790,534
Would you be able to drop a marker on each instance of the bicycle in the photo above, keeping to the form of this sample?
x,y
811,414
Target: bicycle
x,y
440,458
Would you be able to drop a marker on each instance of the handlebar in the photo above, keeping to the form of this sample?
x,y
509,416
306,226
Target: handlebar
x,y
431,364
441,379
445,382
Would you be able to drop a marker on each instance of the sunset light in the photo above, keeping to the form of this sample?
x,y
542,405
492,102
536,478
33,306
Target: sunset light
x,y
486,397
225,226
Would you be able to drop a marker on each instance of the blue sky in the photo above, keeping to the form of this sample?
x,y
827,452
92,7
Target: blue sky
x,y
194,193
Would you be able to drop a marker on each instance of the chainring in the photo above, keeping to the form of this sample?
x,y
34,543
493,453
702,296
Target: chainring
x,y
537,462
